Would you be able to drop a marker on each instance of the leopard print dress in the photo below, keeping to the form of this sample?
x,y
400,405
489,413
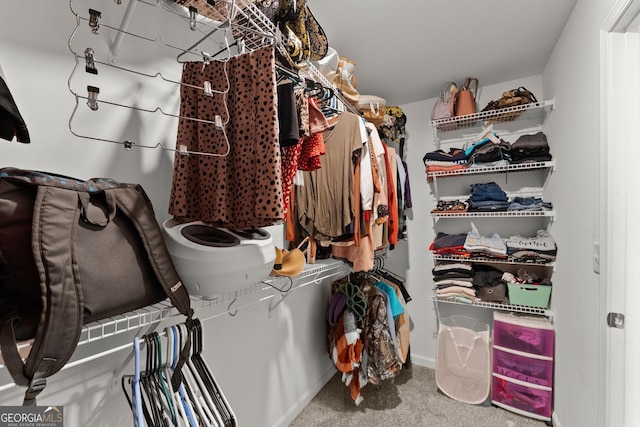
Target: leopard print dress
x,y
243,189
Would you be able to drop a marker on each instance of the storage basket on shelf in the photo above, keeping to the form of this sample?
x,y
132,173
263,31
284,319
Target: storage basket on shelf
x,y
534,295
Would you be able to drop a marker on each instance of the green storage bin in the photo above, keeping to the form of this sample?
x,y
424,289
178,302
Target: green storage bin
x,y
529,294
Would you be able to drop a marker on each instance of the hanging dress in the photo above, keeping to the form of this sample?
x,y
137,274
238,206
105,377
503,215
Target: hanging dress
x,y
242,189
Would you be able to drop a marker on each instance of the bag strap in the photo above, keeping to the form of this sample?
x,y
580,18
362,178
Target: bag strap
x,y
522,91
55,215
467,85
135,204
452,89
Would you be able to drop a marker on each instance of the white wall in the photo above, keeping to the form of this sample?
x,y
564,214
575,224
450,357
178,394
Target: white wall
x,y
268,366
574,66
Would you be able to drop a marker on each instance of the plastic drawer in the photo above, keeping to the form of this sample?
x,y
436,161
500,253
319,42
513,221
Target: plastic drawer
x,y
534,370
532,401
527,335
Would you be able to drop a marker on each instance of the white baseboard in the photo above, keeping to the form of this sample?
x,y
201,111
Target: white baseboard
x,y
423,361
555,422
304,400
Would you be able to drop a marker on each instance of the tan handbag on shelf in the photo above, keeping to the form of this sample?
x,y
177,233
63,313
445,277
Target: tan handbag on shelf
x,y
372,108
466,102
346,82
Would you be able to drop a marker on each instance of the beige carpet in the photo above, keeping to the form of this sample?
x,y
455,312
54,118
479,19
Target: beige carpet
x,y
412,399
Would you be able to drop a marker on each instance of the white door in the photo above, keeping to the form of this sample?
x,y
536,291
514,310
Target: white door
x,y
620,213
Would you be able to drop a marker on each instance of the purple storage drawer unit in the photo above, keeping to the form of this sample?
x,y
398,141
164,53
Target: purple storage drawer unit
x,y
535,370
524,334
528,400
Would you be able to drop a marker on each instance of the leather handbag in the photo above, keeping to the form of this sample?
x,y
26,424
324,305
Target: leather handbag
x,y
466,102
345,80
372,108
495,292
445,106
511,98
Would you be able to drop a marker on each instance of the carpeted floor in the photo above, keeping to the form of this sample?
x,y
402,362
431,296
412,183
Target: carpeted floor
x,y
412,399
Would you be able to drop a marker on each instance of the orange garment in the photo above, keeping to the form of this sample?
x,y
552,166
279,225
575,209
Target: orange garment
x,y
391,195
290,234
356,203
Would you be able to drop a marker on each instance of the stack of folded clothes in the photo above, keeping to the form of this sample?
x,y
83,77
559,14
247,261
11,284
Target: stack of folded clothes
x,y
439,160
529,204
451,206
530,148
454,280
479,245
489,151
449,244
487,197
538,249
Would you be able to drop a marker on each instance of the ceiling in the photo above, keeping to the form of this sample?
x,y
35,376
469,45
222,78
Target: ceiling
x,y
408,50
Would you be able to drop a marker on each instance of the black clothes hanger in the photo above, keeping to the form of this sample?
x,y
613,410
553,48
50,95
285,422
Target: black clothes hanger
x,y
227,418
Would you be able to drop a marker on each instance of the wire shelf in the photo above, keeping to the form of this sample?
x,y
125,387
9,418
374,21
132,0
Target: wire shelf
x,y
156,313
516,167
498,306
443,214
490,260
517,119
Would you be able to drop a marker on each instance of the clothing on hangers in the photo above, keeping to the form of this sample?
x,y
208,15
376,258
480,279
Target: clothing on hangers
x,y
11,122
243,189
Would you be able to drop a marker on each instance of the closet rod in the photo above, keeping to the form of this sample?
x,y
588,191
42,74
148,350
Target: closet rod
x,y
77,362
317,279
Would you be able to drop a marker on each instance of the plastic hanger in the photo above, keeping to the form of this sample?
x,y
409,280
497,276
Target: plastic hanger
x,y
188,409
152,414
138,417
164,396
202,379
220,400
172,356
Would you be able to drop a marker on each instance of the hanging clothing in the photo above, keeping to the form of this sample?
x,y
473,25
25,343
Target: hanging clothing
x,y
242,189
289,128
313,146
325,204
11,122
392,174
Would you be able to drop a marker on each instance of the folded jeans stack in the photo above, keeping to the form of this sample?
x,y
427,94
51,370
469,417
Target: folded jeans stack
x,y
529,204
488,197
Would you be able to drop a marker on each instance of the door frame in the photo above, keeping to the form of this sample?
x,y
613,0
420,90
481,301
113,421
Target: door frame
x,y
619,376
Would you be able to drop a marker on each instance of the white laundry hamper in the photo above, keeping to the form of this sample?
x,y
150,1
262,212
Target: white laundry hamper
x,y
463,363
